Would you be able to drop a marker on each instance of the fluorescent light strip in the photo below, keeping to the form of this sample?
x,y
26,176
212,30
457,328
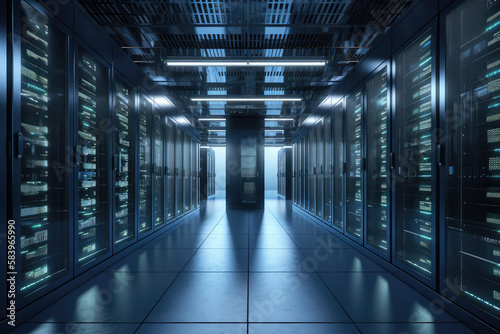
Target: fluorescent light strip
x,y
245,99
246,63
287,146
217,130
279,119
204,146
211,119
282,131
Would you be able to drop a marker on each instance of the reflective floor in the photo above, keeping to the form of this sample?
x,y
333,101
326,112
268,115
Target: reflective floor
x,y
265,271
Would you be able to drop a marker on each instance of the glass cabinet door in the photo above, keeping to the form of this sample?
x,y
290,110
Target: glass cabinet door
x,y
305,175
415,216
472,146
186,172
179,194
158,169
124,162
311,161
170,160
328,170
354,111
338,166
377,161
145,165
93,127
320,168
42,142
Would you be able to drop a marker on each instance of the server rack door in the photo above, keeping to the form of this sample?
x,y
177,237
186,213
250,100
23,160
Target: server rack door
x,y
124,162
158,169
186,172
415,202
312,171
94,172
179,197
40,197
212,173
197,174
170,171
278,174
294,173
145,166
338,166
320,167
354,164
328,170
299,173
305,174
472,155
193,174
377,214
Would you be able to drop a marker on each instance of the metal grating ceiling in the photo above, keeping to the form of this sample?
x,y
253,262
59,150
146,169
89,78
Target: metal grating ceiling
x,y
156,31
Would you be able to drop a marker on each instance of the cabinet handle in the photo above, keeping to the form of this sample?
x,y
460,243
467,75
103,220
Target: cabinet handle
x,y
439,152
393,160
20,140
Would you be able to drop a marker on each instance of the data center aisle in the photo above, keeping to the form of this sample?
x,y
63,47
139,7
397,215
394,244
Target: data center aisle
x,y
263,271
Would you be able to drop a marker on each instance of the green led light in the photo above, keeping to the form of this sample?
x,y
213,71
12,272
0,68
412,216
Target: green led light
x,y
494,105
425,61
36,226
36,88
493,26
492,73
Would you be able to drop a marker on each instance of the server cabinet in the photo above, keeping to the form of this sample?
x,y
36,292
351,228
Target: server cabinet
x,y
194,174
179,197
186,172
311,185
40,197
305,176
170,169
354,164
94,126
320,151
328,170
415,201
472,155
377,214
211,172
158,169
124,162
338,166
294,173
282,156
145,166
197,174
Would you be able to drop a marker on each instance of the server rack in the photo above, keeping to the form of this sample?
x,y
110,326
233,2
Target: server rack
x,y
311,152
414,204
170,169
354,165
469,176
124,214
145,176
319,168
194,174
179,201
339,168
378,162
303,173
186,172
93,239
158,168
328,170
295,185
40,178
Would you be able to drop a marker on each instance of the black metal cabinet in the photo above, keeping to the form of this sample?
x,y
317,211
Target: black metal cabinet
x,y
338,166
158,168
186,171
320,168
124,162
179,200
94,142
170,170
145,166
472,155
311,163
377,192
354,165
414,229
40,169
328,170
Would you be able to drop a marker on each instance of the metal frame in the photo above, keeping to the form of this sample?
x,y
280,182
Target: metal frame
x,y
432,282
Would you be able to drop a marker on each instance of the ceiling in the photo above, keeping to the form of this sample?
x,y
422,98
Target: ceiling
x,y
154,32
